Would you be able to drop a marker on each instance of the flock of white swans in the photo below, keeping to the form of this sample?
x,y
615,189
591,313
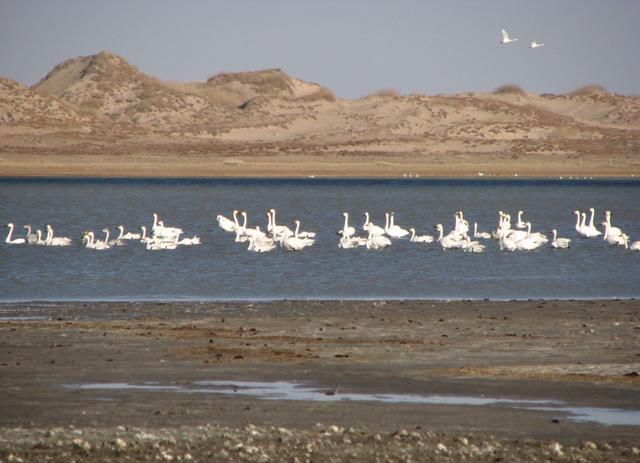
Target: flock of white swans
x,y
519,237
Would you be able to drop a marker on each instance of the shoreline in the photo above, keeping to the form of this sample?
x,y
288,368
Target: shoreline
x,y
571,354
270,165
471,178
125,300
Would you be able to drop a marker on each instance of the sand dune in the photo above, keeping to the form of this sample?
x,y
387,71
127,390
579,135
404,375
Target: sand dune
x,y
103,107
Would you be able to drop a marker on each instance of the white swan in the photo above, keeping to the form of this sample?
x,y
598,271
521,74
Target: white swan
x,y
461,225
507,244
532,241
471,246
9,240
541,237
450,241
580,227
502,227
128,235
477,234
31,237
144,238
194,240
535,44
377,241
114,242
393,230
520,223
634,246
243,233
160,245
559,243
346,229
506,39
400,232
419,238
303,234
261,244
370,227
40,241
226,224
349,242
614,240
166,232
612,230
279,232
591,227
91,243
516,235
296,242
158,229
50,240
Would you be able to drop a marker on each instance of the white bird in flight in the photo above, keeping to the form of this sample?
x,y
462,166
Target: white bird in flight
x,y
535,44
505,38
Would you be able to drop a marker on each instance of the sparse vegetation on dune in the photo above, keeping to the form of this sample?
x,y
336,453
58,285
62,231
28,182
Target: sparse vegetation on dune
x,y
324,94
385,93
588,90
509,89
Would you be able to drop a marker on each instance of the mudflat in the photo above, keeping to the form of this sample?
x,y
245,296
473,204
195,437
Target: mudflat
x,y
100,381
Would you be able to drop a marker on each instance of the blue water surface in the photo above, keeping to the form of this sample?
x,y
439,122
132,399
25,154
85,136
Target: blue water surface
x,y
221,269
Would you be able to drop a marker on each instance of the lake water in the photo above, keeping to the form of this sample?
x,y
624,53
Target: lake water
x,y
221,269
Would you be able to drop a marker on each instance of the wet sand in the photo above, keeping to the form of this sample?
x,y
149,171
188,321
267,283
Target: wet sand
x,y
580,353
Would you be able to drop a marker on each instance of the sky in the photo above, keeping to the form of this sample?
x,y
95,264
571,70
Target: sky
x,y
353,47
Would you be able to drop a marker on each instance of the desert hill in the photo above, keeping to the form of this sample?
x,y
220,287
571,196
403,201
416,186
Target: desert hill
x,y
234,122
21,106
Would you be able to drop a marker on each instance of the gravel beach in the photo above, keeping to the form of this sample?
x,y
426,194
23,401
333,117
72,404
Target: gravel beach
x,y
133,381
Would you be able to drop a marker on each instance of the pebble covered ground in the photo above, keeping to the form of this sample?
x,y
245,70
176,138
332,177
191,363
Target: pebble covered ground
x,y
263,444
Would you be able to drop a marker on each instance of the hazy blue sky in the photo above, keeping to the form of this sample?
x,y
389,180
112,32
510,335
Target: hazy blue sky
x,y
353,47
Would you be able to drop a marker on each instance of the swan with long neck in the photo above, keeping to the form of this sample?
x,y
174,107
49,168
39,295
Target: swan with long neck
x,y
350,242
127,236
419,238
612,231
346,229
398,230
295,243
520,223
393,230
559,243
31,237
91,242
227,224
613,239
581,227
593,231
281,230
194,240
450,241
461,225
477,234
370,227
257,244
634,246
471,246
377,241
10,240
531,242
245,232
50,240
